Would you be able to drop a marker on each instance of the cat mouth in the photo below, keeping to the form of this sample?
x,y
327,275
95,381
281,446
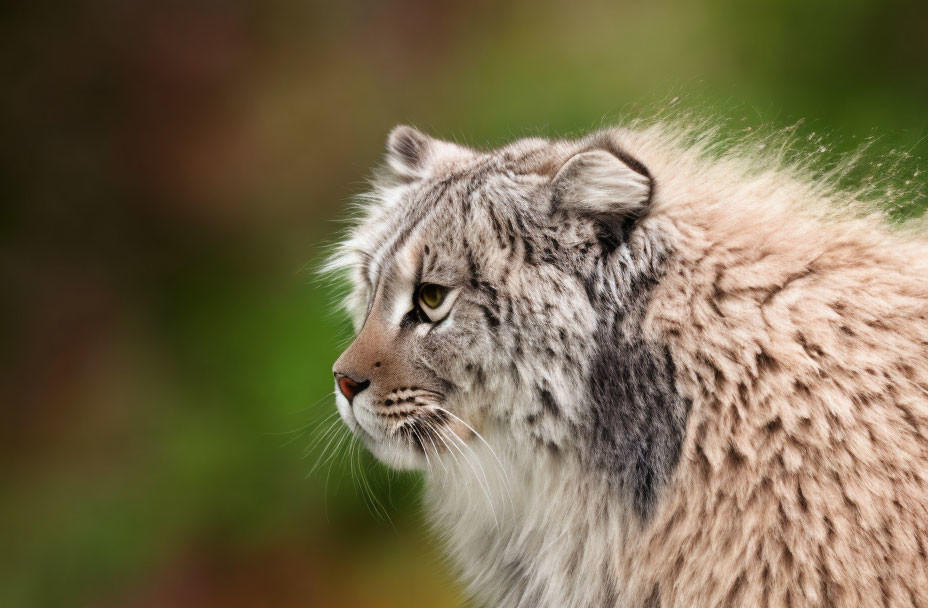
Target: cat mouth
x,y
426,431
411,430
406,427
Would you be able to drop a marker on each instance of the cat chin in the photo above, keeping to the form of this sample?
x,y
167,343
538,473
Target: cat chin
x,y
396,454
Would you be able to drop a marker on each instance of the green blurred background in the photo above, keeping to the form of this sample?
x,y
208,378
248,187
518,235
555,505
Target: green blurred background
x,y
171,174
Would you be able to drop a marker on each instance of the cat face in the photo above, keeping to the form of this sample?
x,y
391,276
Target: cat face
x,y
477,291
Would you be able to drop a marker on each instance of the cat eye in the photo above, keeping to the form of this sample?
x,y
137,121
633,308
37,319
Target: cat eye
x,y
431,295
434,301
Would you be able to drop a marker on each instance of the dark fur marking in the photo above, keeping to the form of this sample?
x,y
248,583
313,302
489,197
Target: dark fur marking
x,y
490,291
548,402
812,350
654,600
492,319
479,375
765,363
637,414
528,248
511,234
471,265
734,593
548,256
412,318
497,228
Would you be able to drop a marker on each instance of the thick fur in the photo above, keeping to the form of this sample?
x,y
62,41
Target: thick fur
x,y
667,377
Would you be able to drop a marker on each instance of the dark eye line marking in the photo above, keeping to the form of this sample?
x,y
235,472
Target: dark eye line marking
x,y
417,284
413,317
419,270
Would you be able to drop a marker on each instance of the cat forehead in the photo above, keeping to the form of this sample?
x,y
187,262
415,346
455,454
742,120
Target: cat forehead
x,y
442,224
458,196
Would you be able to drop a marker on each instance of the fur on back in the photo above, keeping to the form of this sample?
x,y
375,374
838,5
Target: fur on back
x,y
712,392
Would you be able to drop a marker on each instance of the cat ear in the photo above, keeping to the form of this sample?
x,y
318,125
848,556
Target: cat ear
x,y
412,154
407,150
611,188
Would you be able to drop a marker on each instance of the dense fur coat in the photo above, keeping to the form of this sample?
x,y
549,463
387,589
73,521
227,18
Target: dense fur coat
x,y
655,377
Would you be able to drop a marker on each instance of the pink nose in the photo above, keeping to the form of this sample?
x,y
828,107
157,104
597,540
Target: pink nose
x,y
349,387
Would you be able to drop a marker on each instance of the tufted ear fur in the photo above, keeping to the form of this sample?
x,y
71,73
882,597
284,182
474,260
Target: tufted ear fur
x,y
407,150
614,189
412,154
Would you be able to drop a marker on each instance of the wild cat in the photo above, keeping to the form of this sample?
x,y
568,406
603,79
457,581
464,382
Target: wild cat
x,y
637,374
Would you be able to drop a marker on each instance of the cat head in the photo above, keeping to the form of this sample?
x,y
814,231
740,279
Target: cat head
x,y
479,285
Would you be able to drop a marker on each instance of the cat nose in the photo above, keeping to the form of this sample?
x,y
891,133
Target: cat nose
x,y
349,386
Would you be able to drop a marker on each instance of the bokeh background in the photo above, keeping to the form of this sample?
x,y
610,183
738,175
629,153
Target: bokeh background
x,y
172,173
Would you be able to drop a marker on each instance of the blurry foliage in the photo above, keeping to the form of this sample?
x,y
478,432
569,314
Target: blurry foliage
x,y
169,171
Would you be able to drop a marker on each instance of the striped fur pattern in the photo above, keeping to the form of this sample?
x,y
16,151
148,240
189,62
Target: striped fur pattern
x,y
663,377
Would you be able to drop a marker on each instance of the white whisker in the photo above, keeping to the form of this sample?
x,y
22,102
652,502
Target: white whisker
x,y
432,441
425,452
475,469
502,469
450,451
377,503
333,435
331,428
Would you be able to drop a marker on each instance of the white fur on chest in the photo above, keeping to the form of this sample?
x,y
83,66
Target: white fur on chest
x,y
528,531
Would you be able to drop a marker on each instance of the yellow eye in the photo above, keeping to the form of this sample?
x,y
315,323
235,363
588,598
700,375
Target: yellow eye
x,y
432,295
